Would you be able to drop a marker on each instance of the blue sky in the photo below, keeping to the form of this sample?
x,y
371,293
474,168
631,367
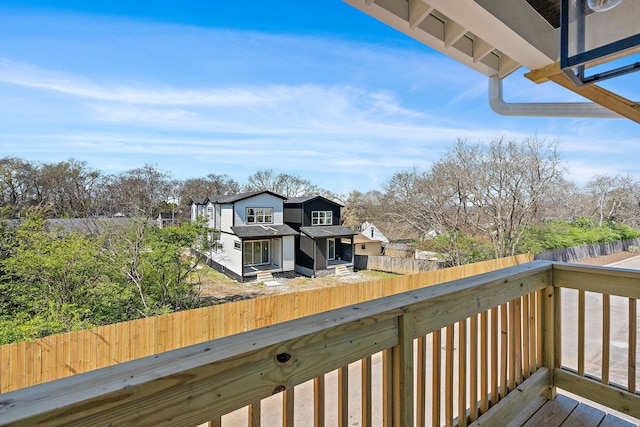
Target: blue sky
x,y
315,89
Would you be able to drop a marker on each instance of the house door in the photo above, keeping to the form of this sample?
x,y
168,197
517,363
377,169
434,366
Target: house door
x,y
256,252
331,249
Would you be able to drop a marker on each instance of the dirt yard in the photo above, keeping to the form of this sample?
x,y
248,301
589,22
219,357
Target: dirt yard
x,y
609,259
218,288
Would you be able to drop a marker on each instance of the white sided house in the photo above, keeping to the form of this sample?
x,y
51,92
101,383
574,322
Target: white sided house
x,y
372,232
252,234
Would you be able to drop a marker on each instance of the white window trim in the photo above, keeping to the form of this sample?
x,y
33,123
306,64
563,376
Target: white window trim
x,y
321,217
329,258
255,215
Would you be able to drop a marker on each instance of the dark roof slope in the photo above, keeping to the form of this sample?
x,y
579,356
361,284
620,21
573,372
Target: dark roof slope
x,y
305,199
198,200
232,198
323,231
256,231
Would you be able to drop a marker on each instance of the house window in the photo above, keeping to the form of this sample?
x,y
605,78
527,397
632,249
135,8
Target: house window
x,y
237,245
256,252
210,212
259,215
321,218
363,247
372,232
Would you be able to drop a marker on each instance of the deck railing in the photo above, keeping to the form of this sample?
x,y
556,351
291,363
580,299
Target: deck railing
x,y
601,361
460,353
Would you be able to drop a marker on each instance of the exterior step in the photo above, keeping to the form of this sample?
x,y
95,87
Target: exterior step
x,y
342,270
265,276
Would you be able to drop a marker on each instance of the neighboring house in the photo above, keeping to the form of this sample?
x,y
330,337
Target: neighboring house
x,y
372,232
198,208
91,226
167,219
208,209
394,232
251,231
366,246
319,246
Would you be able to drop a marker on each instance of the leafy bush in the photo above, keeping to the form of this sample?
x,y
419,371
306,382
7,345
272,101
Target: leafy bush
x,y
557,234
53,281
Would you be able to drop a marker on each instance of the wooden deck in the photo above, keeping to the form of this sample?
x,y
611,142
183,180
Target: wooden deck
x,y
565,411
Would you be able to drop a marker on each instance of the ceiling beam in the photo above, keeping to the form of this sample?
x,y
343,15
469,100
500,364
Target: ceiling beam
x,y
418,11
395,14
481,49
452,33
479,21
595,93
507,66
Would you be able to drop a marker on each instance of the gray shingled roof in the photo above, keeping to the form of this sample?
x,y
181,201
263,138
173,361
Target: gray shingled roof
x,y
304,199
320,231
255,231
92,225
198,200
231,198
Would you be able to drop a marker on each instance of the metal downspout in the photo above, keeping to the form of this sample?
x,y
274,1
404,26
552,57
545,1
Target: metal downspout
x,y
544,109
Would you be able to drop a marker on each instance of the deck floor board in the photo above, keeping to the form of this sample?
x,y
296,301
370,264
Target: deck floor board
x,y
552,413
564,411
584,415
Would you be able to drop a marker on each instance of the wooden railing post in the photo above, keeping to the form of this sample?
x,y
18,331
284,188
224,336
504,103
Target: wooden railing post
x,y
550,323
402,371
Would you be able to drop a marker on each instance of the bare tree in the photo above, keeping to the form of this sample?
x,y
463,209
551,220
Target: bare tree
x,y
140,191
70,187
282,183
490,192
614,198
18,185
211,185
362,207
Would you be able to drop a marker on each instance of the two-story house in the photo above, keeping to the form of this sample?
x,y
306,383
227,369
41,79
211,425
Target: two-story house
x,y
252,235
319,247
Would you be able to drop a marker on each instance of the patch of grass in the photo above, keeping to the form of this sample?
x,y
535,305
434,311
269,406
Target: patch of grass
x,y
206,274
377,274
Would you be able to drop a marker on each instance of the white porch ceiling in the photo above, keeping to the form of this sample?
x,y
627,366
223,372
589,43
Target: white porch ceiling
x,y
494,37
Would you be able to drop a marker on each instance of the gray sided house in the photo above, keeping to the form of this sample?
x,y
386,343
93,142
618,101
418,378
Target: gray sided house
x,y
319,247
252,234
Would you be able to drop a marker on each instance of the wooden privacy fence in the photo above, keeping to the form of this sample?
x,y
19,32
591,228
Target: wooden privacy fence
x,y
393,264
577,253
29,363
